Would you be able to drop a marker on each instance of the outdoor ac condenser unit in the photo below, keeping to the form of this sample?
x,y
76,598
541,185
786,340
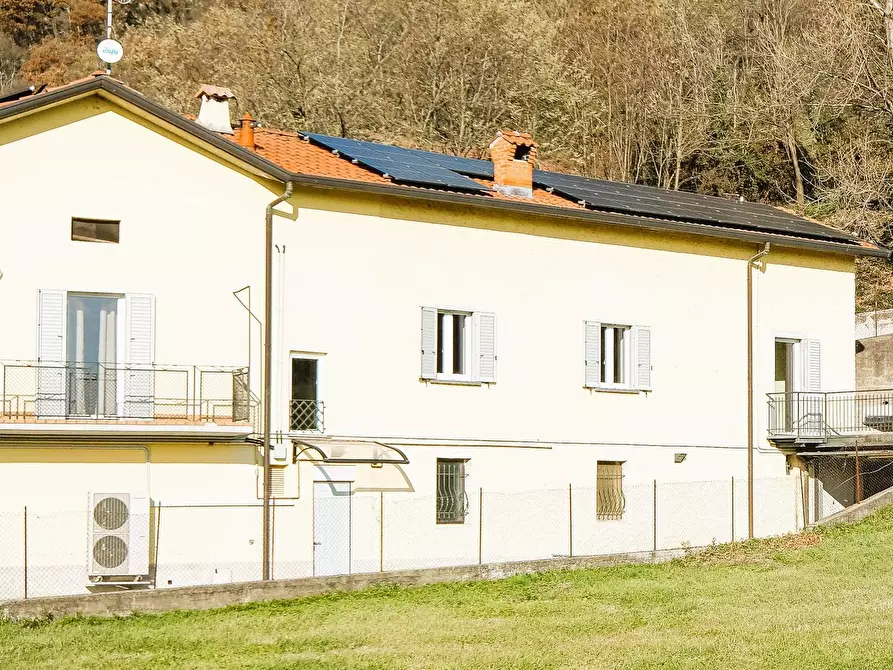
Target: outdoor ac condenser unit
x,y
119,536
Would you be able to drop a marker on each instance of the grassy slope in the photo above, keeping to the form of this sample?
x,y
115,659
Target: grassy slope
x,y
790,603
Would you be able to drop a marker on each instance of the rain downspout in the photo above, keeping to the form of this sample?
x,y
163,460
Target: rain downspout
x,y
751,263
268,368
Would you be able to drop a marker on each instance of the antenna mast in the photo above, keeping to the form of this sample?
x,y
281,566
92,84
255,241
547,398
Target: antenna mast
x,y
110,51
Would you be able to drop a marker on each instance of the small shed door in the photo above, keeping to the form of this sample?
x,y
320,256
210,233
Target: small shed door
x,y
331,528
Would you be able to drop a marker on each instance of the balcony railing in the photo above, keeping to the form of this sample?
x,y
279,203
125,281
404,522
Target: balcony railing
x,y
41,392
816,416
307,415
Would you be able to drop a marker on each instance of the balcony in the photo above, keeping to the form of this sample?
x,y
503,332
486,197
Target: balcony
x,y
816,417
41,393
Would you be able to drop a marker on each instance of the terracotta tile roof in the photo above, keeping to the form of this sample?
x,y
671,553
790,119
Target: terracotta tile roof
x,y
52,89
291,152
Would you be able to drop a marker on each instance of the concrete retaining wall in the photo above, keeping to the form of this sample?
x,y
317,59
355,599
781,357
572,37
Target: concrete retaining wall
x,y
211,597
860,510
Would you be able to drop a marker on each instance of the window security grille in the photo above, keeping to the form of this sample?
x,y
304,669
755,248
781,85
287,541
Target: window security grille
x,y
452,503
610,502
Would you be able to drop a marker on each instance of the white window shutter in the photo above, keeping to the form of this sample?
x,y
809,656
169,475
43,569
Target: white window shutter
x,y
429,343
642,364
812,365
140,310
139,391
51,353
51,326
592,354
485,331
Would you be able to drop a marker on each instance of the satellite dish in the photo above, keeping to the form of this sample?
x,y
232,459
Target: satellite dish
x,y
110,51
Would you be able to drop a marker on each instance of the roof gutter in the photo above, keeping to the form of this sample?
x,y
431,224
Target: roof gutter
x,y
274,171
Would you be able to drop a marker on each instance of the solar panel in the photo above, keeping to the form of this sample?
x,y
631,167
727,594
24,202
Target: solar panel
x,y
408,166
425,168
682,206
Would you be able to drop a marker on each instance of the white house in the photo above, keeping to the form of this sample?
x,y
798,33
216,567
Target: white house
x,y
443,329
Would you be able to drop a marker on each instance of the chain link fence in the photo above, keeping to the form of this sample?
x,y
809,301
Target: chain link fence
x,y
846,476
47,552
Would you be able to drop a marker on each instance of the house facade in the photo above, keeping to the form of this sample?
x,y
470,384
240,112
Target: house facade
x,y
432,342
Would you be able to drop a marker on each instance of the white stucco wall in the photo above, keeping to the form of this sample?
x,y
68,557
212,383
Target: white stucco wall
x,y
356,273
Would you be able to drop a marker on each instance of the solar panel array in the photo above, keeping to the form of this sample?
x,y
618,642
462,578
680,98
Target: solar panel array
x,y
424,168
402,165
682,206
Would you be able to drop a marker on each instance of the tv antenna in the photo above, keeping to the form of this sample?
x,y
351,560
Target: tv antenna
x,y
109,50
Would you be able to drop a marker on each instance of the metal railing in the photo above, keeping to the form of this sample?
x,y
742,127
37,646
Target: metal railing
x,y
100,392
810,415
307,415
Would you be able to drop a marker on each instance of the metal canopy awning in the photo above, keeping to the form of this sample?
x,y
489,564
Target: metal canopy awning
x,y
348,451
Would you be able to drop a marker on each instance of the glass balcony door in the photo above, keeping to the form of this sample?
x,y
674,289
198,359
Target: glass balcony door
x,y
92,356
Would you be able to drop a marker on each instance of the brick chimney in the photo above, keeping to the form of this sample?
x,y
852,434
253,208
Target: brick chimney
x,y
513,155
214,113
246,131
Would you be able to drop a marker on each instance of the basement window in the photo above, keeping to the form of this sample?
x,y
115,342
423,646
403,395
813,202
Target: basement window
x,y
610,503
95,230
452,503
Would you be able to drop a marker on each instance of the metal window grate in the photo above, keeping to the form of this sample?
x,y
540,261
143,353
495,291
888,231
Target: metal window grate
x,y
610,503
452,502
307,415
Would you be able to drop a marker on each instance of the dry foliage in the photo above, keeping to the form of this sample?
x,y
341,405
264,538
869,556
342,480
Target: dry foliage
x,y
785,101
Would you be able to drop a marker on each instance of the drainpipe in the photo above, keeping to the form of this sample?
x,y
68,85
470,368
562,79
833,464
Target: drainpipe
x,y
750,408
268,368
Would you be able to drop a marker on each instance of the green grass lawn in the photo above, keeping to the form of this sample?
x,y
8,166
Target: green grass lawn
x,y
808,601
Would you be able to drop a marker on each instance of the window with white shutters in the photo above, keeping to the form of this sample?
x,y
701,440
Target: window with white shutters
x,y
458,345
616,356
812,365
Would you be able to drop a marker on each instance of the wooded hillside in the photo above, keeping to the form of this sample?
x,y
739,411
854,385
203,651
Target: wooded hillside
x,y
785,101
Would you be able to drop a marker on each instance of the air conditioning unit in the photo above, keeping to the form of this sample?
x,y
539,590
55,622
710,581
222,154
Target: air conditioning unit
x,y
119,537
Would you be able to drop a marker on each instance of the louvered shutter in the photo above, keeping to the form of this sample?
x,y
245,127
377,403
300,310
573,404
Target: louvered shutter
x,y
642,366
51,353
485,331
592,335
812,365
139,391
429,343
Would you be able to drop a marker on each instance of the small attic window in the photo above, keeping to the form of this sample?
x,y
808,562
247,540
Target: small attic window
x,y
522,153
95,230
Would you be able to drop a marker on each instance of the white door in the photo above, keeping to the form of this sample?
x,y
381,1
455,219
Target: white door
x,y
331,528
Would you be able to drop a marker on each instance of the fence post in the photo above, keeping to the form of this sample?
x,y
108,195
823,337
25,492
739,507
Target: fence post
x,y
381,531
858,476
481,526
570,517
655,516
25,537
733,508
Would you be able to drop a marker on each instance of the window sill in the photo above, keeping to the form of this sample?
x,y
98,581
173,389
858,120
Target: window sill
x,y
452,382
609,389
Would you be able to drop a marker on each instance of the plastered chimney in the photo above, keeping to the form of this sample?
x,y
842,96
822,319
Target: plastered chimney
x,y
214,113
513,155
